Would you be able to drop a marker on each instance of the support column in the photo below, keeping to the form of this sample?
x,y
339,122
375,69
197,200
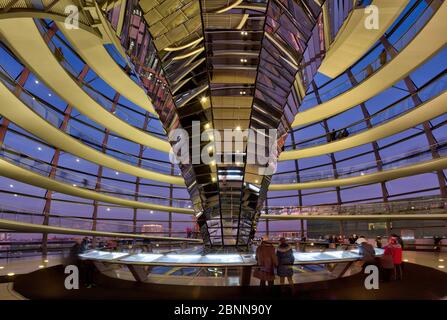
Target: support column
x,y
99,174
328,132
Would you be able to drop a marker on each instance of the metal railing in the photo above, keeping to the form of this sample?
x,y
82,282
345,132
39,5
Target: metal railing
x,y
431,89
438,205
85,181
410,157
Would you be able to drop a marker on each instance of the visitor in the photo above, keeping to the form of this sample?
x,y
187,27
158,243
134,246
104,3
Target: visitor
x,y
267,261
85,245
351,239
399,240
284,253
387,264
437,243
379,242
333,135
86,267
396,251
73,258
366,251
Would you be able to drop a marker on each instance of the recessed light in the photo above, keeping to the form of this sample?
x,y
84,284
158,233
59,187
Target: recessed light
x,y
15,195
41,267
75,185
11,186
2,267
441,260
49,94
441,267
108,209
39,148
36,81
256,181
11,274
77,160
151,211
117,173
46,260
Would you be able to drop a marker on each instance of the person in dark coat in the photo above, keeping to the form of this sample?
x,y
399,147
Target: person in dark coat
x,y
379,242
267,261
367,252
285,257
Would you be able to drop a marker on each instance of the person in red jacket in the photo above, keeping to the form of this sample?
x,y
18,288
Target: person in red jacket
x,y
396,252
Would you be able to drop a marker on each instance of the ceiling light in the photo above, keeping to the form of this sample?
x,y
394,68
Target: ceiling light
x,y
77,160
36,81
441,260
238,163
2,267
207,126
108,209
15,195
11,186
213,179
74,185
49,94
213,163
117,173
46,260
10,274
41,266
210,148
39,148
441,267
256,181
203,99
151,212
238,128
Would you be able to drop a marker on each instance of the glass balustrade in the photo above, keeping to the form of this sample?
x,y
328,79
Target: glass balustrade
x,y
43,109
435,205
408,158
85,181
430,90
